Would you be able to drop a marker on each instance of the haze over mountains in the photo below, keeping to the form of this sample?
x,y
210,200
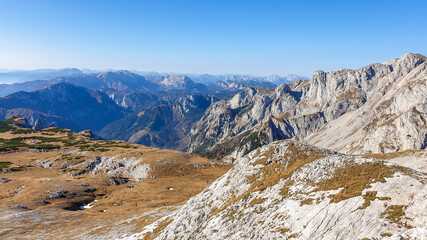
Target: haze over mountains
x,y
38,74
14,81
339,156
249,107
130,92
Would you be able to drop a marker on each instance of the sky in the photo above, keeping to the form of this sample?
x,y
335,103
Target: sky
x,y
215,37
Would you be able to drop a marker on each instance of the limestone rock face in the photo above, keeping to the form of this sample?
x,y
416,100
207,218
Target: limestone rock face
x,y
393,117
228,118
282,89
292,190
379,108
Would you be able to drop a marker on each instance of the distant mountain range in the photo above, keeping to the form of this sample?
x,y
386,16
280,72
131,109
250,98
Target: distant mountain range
x,y
38,74
161,111
135,81
119,80
209,79
79,101
65,104
242,83
158,110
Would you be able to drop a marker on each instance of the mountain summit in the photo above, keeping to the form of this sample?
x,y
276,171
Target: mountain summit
x,y
118,80
180,83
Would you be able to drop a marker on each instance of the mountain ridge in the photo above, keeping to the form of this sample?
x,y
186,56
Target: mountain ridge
x,y
71,102
308,108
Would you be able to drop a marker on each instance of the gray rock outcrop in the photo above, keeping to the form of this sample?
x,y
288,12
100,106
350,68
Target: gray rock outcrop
x,y
292,190
376,109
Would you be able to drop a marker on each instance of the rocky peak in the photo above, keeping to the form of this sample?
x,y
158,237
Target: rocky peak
x,y
282,89
42,123
177,81
318,86
180,83
387,116
229,118
87,134
325,87
20,122
245,97
196,101
409,59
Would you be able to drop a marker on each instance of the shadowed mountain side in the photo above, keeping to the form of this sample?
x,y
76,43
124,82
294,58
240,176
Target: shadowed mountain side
x,y
119,80
162,126
85,108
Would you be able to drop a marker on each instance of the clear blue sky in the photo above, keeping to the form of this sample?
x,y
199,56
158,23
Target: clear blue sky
x,y
247,37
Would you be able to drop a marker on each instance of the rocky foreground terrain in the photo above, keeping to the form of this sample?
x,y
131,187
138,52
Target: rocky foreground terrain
x,y
57,184
288,189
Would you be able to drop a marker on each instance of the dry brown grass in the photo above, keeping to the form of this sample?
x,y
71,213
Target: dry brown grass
x,y
274,171
354,178
350,94
368,196
386,156
293,235
307,201
256,201
187,174
371,196
394,213
384,104
285,230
